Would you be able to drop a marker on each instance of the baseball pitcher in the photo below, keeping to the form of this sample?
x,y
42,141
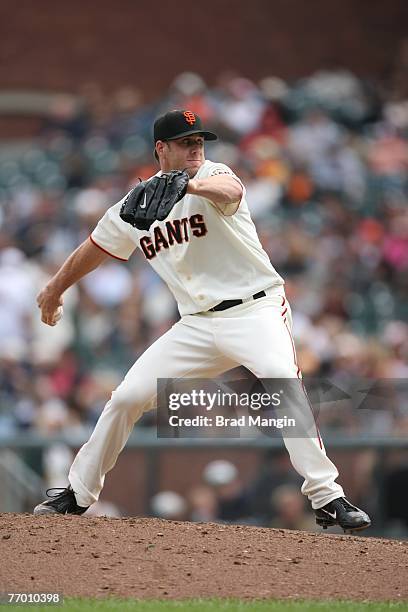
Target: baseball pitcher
x,y
192,223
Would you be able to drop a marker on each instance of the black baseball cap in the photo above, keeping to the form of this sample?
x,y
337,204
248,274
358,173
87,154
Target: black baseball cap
x,y
178,123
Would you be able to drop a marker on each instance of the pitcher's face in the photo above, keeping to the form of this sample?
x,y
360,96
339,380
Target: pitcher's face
x,y
185,153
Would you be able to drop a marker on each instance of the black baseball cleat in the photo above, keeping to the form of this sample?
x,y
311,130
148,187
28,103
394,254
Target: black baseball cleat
x,y
341,512
63,502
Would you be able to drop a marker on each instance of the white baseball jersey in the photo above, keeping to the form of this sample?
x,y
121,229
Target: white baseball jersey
x,y
203,256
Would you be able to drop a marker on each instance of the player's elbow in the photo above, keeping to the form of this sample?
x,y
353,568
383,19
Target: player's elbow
x,y
237,192
231,200
233,192
230,190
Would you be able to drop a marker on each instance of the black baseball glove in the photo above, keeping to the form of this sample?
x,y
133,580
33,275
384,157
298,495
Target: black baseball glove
x,y
154,199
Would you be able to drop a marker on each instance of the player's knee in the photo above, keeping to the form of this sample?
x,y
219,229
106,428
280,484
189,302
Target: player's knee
x,y
284,370
132,400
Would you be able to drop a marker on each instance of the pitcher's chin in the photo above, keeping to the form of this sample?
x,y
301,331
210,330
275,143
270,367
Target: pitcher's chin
x,y
193,168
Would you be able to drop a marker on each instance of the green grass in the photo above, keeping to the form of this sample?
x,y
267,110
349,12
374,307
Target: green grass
x,y
213,605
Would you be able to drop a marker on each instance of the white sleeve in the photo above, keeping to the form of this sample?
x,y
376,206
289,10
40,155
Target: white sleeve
x,y
214,168
217,168
115,236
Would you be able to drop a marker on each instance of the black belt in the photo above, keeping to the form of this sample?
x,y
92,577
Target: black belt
x,y
230,303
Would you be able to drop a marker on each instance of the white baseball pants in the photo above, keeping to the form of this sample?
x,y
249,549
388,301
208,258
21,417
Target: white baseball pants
x,y
257,335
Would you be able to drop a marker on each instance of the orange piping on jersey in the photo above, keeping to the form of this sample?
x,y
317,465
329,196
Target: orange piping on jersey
x,y
104,250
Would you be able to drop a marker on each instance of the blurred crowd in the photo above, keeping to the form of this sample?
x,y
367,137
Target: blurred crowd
x,y
324,161
271,497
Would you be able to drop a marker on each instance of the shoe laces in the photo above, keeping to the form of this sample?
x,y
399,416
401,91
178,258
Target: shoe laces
x,y
346,504
60,489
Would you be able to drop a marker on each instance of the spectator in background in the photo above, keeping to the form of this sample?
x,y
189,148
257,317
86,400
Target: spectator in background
x,y
67,117
275,471
232,499
17,292
188,90
289,509
169,505
394,494
241,107
203,504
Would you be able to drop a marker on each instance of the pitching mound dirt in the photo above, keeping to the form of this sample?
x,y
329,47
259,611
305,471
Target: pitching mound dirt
x,y
150,558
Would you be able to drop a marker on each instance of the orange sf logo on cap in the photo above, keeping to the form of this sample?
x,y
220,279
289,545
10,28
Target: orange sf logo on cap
x,y
190,117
